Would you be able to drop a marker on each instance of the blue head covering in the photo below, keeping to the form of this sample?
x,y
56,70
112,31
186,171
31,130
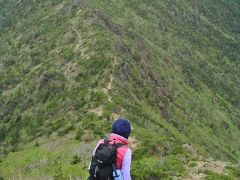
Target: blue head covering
x,y
122,127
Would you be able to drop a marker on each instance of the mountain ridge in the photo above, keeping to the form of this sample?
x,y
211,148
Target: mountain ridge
x,y
70,68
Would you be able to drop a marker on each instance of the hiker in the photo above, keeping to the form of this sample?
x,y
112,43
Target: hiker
x,y
111,157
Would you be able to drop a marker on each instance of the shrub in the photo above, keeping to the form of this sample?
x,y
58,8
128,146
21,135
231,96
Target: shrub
x,y
146,168
215,176
79,134
76,159
66,130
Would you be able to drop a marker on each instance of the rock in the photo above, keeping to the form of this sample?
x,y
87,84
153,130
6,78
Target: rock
x,y
190,149
238,165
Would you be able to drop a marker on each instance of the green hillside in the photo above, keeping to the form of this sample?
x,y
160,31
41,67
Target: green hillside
x,y
69,68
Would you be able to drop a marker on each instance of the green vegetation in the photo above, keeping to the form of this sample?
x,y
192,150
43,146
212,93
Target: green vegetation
x,y
212,176
68,68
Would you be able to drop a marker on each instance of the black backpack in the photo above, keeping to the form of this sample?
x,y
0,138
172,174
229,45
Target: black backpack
x,y
103,162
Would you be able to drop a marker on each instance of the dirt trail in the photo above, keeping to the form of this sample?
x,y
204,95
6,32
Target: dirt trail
x,y
78,34
109,84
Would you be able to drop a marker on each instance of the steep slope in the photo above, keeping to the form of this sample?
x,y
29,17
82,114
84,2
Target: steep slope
x,y
68,68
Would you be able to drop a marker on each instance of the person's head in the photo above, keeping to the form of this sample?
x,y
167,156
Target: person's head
x,y
122,127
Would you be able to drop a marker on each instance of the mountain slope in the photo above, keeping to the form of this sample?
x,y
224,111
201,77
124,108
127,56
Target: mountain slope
x,y
69,68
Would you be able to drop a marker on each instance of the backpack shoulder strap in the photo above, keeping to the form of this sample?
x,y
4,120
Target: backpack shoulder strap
x,y
106,141
118,145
